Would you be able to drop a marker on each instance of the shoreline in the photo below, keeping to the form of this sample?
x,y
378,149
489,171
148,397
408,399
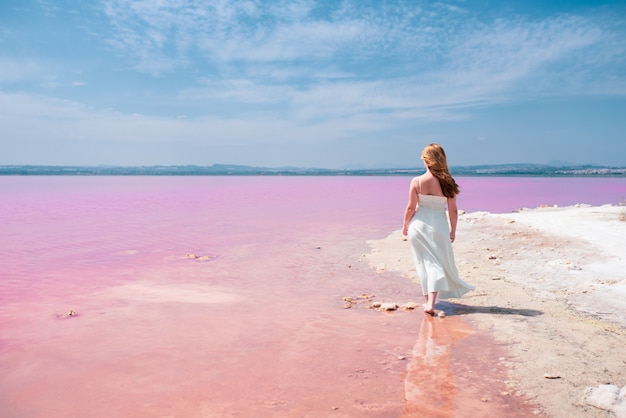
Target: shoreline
x,y
550,286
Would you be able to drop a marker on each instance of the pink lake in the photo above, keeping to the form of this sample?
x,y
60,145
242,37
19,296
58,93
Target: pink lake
x,y
254,327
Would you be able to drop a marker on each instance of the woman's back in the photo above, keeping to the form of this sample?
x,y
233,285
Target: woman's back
x,y
429,185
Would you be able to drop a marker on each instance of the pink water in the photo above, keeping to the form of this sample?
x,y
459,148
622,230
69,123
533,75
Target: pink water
x,y
255,329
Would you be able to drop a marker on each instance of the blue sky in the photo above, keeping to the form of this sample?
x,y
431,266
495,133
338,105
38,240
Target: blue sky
x,y
332,84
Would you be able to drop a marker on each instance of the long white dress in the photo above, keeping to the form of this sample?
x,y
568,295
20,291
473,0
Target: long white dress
x,y
429,235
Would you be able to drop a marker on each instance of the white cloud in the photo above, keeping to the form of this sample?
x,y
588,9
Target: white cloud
x,y
404,62
518,46
227,31
443,42
40,118
15,69
485,64
278,70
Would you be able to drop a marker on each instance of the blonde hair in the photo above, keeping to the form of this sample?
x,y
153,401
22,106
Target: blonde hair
x,y
435,158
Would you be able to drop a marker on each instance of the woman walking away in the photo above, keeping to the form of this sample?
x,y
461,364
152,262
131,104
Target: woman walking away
x,y
428,231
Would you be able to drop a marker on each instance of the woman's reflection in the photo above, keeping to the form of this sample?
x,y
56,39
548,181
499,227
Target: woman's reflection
x,y
429,388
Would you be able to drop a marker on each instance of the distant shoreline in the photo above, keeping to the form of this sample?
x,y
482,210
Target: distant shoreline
x,y
241,170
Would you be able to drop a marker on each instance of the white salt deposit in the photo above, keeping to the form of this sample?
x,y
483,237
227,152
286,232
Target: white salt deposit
x,y
609,398
145,291
592,276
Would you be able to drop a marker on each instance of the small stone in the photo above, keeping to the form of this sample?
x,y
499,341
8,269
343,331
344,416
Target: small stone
x,y
191,255
549,375
410,305
376,304
401,358
484,399
388,306
441,314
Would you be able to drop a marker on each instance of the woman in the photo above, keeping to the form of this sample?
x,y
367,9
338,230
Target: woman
x,y
431,237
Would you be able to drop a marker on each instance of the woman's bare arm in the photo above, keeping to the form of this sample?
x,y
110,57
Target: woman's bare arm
x,y
410,208
453,214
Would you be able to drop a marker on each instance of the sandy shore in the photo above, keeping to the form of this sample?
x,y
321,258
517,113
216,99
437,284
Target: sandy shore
x,y
550,285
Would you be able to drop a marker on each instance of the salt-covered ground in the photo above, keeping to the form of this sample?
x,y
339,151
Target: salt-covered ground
x,y
576,254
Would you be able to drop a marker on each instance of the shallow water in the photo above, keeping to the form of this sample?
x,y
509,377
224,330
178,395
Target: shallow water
x,y
255,328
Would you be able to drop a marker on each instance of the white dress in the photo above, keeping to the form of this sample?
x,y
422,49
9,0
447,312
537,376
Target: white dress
x,y
429,235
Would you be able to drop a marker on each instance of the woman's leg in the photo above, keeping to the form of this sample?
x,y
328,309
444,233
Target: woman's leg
x,y
429,308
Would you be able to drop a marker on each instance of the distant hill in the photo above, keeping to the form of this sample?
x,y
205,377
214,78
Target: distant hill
x,y
232,169
539,170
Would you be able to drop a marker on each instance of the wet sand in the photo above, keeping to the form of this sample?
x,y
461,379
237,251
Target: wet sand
x,y
550,286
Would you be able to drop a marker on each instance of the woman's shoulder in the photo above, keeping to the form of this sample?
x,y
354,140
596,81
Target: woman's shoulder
x,y
415,184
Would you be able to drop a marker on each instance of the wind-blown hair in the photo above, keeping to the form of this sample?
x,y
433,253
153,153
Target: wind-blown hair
x,y
435,158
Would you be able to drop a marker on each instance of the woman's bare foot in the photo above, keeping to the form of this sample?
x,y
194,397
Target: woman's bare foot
x,y
429,310
429,306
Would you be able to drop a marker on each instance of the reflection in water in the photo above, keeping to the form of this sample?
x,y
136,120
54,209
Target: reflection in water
x,y
429,388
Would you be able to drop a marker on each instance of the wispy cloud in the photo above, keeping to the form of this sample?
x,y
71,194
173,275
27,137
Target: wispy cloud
x,y
239,71
52,120
391,57
13,70
53,84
